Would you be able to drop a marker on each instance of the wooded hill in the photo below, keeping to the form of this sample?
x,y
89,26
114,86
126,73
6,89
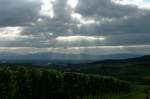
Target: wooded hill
x,y
35,83
135,69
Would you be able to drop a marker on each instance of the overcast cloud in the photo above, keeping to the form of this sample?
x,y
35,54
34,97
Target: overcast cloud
x,y
93,25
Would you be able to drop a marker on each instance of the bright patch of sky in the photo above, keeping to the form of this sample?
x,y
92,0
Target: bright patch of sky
x,y
47,8
10,33
72,3
79,18
145,4
80,38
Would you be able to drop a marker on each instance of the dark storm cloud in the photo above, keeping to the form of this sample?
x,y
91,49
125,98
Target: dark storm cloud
x,y
59,24
61,11
18,12
124,19
133,24
105,8
116,18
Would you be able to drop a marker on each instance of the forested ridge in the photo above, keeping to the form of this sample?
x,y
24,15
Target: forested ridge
x,y
133,70
35,83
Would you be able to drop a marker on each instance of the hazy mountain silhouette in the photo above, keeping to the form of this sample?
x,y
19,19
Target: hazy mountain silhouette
x,y
58,56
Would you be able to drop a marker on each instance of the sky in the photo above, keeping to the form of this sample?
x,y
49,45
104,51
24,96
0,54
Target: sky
x,y
95,27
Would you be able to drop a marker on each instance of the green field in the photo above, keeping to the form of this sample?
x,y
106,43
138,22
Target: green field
x,y
137,93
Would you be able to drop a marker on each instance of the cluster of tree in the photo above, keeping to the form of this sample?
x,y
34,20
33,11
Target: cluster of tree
x,y
24,83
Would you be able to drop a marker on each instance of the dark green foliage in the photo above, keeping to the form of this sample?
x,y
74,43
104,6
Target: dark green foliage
x,y
25,83
6,84
133,70
21,81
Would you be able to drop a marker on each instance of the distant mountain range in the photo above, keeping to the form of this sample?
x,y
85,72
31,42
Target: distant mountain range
x,y
62,58
58,56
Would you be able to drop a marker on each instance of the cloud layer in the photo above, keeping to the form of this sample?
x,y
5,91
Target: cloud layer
x,y
74,23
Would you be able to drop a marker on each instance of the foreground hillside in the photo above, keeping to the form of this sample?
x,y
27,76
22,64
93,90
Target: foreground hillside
x,y
135,69
35,83
77,81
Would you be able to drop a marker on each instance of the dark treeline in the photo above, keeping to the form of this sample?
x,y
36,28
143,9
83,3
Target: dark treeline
x,y
25,83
